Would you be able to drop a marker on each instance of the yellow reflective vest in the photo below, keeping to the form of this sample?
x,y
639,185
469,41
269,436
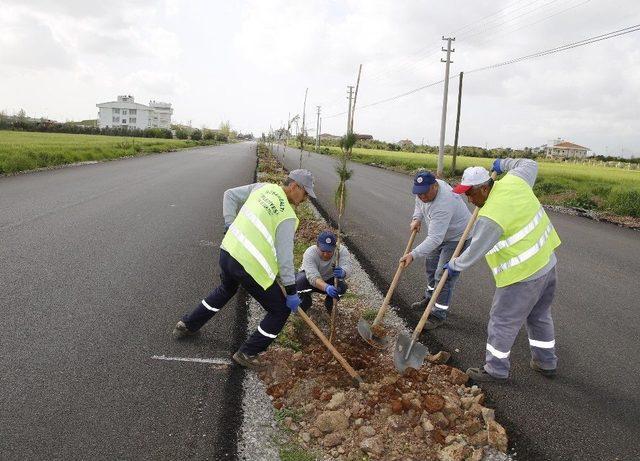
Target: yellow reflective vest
x,y
251,237
528,237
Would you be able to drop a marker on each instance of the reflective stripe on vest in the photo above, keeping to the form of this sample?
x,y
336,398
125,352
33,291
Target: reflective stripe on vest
x,y
261,227
527,254
515,238
250,247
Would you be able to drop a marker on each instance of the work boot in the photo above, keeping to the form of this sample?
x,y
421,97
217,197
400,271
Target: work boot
x,y
480,375
181,331
548,372
422,304
248,361
433,322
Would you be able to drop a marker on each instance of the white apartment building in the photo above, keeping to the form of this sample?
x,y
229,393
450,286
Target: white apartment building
x,y
125,112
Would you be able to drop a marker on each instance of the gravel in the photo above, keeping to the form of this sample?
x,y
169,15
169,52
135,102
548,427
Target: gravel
x,y
260,435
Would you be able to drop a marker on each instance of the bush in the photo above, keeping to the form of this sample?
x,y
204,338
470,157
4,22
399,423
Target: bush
x,y
196,135
182,134
548,187
582,200
209,135
624,202
222,137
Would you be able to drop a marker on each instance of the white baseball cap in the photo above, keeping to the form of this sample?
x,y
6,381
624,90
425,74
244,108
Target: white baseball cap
x,y
472,176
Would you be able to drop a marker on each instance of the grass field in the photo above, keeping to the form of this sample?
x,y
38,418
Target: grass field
x,y
21,150
559,183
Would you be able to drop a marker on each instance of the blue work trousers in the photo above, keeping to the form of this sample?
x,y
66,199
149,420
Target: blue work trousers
x,y
233,275
434,267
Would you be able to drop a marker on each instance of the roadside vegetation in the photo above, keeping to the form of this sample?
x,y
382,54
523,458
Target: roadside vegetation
x,y
21,150
589,187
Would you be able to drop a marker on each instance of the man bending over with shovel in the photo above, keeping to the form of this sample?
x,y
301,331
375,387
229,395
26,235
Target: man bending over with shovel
x,y
518,239
260,225
446,216
317,271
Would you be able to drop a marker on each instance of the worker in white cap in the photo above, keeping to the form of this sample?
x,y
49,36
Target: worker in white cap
x,y
518,240
257,254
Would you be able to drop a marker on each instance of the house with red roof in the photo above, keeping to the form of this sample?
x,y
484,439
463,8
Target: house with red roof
x,y
565,149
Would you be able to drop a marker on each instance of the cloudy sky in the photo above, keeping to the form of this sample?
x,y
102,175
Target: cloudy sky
x,y
250,61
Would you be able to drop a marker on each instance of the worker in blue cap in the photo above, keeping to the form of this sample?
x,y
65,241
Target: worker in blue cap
x,y
446,215
319,269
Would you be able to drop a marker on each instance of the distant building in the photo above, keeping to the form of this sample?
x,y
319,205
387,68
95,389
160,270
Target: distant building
x,y
329,136
125,112
560,148
406,144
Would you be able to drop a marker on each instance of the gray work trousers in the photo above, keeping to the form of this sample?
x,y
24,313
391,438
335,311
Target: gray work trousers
x,y
528,303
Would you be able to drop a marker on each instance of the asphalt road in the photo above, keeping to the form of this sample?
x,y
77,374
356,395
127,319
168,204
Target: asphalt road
x,y
590,411
98,262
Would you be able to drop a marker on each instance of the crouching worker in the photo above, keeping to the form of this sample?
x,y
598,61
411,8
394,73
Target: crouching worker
x,y
256,251
317,271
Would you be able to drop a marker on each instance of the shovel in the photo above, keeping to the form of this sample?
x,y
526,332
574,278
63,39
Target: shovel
x,y
408,353
371,334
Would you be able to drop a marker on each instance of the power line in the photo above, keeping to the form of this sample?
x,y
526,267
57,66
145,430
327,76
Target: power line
x,y
541,53
568,46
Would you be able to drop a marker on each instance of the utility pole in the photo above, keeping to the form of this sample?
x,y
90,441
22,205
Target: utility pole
x,y
443,123
355,97
318,129
304,114
349,112
455,142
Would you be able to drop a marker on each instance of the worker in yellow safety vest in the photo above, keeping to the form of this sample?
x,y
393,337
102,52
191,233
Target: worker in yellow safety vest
x,y
257,250
518,240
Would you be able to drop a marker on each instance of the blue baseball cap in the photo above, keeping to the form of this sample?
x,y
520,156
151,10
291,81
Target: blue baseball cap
x,y
422,182
327,241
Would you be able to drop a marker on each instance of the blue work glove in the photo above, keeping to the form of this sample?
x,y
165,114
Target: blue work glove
x,y
451,271
332,291
339,273
293,301
496,166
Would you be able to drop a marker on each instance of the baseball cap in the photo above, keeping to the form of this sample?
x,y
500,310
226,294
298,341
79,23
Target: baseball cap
x,y
327,241
305,179
422,182
472,176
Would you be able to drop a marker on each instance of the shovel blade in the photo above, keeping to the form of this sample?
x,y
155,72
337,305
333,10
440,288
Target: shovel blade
x,y
416,355
364,329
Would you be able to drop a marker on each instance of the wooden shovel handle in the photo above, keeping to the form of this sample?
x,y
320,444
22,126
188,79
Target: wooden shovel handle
x,y
329,346
396,278
445,274
326,342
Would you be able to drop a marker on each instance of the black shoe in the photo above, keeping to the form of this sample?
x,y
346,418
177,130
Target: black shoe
x,y
434,322
420,304
549,373
480,375
181,331
248,361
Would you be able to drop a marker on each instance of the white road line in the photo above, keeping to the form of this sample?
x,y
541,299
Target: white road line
x,y
192,359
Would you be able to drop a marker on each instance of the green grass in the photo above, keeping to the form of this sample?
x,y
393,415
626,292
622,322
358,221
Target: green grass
x,y
561,183
292,452
21,150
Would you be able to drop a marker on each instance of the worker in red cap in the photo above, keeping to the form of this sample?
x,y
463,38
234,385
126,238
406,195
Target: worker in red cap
x,y
518,240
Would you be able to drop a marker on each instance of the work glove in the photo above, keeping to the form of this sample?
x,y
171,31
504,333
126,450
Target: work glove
x,y
496,166
332,291
451,271
293,301
339,273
